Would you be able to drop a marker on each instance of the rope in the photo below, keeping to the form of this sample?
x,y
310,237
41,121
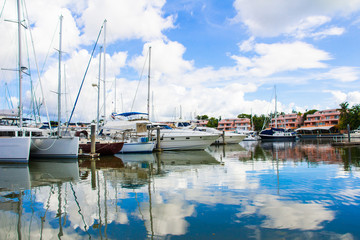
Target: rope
x,y
43,149
2,10
82,83
37,68
142,71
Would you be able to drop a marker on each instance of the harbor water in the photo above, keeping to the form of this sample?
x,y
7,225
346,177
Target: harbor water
x,y
251,190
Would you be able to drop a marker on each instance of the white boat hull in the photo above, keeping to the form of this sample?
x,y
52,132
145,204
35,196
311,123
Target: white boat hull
x,y
14,149
52,147
187,142
138,147
231,139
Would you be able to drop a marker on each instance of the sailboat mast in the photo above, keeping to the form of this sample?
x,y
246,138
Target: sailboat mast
x,y
115,96
104,76
20,70
148,99
98,97
59,79
275,108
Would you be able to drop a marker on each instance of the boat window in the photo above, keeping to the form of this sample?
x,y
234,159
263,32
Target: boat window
x,y
36,134
172,138
186,124
180,124
27,134
187,137
7,134
20,133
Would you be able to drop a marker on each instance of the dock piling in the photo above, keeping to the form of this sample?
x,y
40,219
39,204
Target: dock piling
x,y
158,146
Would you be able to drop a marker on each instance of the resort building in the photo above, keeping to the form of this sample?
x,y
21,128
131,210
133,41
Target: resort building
x,y
288,121
322,118
233,123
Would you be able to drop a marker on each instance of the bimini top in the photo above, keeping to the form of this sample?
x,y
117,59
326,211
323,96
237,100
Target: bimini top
x,y
315,128
127,114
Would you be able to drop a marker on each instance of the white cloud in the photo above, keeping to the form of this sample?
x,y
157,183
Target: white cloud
x,y
126,20
351,97
279,57
272,18
342,74
247,45
334,31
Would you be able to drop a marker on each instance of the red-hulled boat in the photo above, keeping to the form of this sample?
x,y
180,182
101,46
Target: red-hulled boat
x,y
104,148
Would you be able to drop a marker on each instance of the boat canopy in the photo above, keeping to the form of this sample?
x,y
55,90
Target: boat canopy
x,y
314,128
127,114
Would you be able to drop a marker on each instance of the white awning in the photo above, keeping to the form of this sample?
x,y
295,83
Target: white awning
x,y
314,128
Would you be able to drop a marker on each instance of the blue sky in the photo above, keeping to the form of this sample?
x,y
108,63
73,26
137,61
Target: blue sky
x,y
219,58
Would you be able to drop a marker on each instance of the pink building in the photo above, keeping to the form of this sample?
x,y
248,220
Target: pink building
x,y
322,118
232,123
288,121
201,123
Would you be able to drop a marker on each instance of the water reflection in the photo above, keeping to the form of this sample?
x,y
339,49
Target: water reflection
x,y
254,190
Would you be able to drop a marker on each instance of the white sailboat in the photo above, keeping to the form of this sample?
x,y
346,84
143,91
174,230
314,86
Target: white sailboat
x,y
15,141
55,146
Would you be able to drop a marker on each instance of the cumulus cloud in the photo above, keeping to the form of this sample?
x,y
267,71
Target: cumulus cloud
x,y
342,74
272,18
352,97
278,57
140,20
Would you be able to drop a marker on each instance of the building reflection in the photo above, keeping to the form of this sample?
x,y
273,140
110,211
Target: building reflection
x,y
312,152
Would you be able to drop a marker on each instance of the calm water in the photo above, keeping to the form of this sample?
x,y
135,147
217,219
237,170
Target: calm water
x,y
248,191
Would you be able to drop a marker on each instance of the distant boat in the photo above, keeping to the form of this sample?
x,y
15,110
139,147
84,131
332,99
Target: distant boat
x,y
183,139
277,134
230,137
250,135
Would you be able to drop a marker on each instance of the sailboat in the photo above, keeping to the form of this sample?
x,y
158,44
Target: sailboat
x,y
277,134
102,146
55,146
15,140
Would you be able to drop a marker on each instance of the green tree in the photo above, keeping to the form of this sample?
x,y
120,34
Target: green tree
x,y
258,122
312,111
213,122
202,117
344,115
243,115
349,116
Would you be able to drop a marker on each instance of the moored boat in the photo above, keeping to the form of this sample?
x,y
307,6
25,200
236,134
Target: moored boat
x,y
102,147
277,134
14,144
